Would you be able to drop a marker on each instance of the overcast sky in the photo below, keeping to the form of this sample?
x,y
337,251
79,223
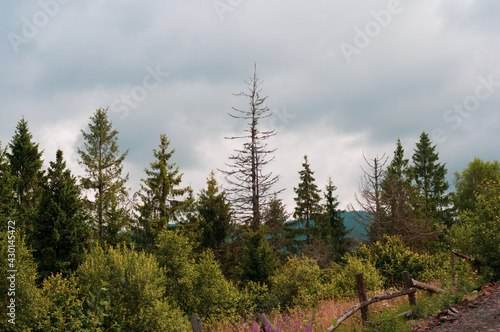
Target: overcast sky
x,y
343,78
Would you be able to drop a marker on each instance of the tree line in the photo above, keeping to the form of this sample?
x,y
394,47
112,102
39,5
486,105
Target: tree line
x,y
243,233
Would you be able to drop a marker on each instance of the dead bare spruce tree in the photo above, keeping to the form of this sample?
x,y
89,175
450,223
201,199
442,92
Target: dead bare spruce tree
x,y
370,199
251,185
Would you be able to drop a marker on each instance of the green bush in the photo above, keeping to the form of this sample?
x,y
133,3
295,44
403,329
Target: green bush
x,y
344,280
135,288
198,285
297,283
477,234
29,304
391,257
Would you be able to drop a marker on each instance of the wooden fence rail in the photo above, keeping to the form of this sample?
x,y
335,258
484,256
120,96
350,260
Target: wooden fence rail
x,y
411,286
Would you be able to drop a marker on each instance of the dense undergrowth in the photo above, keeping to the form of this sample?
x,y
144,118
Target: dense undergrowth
x,y
121,289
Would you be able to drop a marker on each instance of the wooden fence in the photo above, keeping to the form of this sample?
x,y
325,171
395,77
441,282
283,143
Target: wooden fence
x,y
411,287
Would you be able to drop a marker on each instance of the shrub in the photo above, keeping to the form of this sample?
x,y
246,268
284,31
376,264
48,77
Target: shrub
x,y
344,280
297,283
198,285
29,304
391,257
136,290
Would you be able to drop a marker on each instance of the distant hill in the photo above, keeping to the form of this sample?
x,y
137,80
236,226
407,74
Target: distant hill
x,y
358,231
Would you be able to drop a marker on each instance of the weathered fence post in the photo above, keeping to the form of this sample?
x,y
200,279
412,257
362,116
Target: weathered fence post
x,y
409,284
196,323
265,323
452,265
362,296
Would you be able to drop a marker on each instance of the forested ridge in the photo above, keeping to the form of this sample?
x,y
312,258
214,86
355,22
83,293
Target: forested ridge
x,y
91,255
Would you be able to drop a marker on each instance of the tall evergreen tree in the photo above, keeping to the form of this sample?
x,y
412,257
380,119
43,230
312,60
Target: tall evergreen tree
x,y
103,164
308,198
275,216
161,196
251,185
331,228
400,197
429,176
215,214
61,230
26,167
6,189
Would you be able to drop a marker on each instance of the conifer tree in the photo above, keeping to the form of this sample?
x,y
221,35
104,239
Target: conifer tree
x,y
260,260
6,188
103,164
215,214
161,196
251,185
61,230
275,216
331,228
429,176
308,198
26,168
370,199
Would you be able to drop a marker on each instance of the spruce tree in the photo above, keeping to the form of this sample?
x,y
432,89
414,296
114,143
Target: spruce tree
x,y
331,228
251,185
275,216
308,198
103,165
429,176
161,196
26,168
6,189
61,230
215,214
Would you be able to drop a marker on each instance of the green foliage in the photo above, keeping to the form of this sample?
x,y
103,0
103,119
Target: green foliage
x,y
160,192
297,283
61,232
343,276
6,188
469,181
255,299
330,225
477,234
275,215
197,285
103,167
307,200
260,260
391,257
29,304
215,215
136,289
26,168
430,177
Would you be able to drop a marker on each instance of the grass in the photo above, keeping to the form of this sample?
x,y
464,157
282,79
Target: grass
x,y
382,315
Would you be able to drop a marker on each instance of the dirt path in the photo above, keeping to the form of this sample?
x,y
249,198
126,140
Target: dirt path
x,y
479,315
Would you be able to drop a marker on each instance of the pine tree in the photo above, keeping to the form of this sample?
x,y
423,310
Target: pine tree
x,y
215,214
331,228
307,200
260,260
400,197
6,189
103,165
429,176
275,216
26,168
161,197
61,230
251,186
